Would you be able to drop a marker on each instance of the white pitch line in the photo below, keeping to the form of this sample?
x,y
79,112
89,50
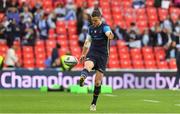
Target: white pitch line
x,y
152,101
177,104
110,95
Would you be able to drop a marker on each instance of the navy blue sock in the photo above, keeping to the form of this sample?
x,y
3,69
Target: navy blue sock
x,y
97,90
84,73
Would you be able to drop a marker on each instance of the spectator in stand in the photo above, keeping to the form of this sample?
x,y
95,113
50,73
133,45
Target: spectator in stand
x,y
55,58
3,26
157,35
80,13
84,21
177,30
28,32
60,11
4,4
138,4
11,31
133,40
147,39
11,59
52,18
168,24
43,27
83,36
134,28
157,3
13,13
70,10
26,14
13,4
120,33
38,13
170,50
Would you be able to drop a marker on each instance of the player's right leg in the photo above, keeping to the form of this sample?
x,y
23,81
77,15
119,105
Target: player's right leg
x,y
88,65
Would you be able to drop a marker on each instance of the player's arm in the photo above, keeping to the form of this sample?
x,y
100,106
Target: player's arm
x,y
108,32
85,49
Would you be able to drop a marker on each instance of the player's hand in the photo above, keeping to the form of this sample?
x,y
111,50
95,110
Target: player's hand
x,y
82,58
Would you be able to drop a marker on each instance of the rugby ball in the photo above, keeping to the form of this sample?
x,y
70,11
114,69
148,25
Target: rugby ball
x,y
70,60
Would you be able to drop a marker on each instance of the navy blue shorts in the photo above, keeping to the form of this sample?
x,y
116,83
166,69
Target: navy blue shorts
x,y
99,61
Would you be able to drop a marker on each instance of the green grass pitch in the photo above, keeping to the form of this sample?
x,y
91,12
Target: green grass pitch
x,y
120,101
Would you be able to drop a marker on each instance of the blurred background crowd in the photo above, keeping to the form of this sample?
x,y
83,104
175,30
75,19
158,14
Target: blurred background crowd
x,y
37,33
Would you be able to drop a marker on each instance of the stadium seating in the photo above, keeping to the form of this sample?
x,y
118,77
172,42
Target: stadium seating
x,y
118,12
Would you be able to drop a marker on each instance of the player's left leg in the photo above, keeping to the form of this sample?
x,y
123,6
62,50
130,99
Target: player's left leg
x,y
97,89
88,65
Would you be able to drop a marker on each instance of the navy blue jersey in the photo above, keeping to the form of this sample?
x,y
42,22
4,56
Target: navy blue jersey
x,y
99,40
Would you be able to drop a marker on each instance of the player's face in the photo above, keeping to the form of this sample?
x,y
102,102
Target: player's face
x,y
96,21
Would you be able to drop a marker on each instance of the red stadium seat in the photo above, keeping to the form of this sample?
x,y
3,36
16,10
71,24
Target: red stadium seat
x,y
140,18
162,65
79,2
40,56
140,11
121,43
73,37
113,57
63,43
113,49
149,3
47,3
121,23
135,51
39,49
150,64
63,51
142,25
28,63
114,64
151,11
1,16
174,13
50,43
27,49
40,43
138,64
61,24
61,31
40,63
52,34
62,38
72,24
75,50
104,4
123,50
27,56
3,50
127,3
163,13
159,53
124,56
147,50
136,57
72,30
148,57
126,64
172,64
